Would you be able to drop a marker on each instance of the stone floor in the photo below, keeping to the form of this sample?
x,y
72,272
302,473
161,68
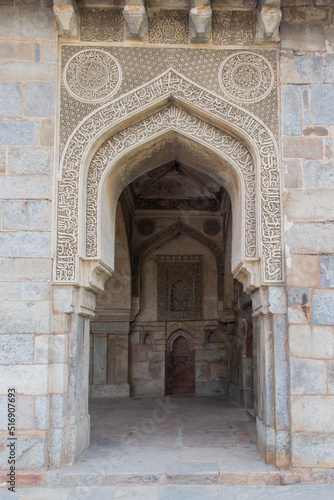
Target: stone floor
x,y
183,439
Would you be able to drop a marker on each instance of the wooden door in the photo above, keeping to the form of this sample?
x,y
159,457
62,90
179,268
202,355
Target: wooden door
x,y
180,373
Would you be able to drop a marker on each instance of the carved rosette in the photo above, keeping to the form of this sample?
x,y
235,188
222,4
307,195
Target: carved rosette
x,y
92,75
246,77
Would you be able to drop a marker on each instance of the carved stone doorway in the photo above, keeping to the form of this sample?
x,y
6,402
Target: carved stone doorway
x,y
180,364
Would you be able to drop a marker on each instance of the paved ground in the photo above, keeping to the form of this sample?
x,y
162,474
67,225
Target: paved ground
x,y
214,492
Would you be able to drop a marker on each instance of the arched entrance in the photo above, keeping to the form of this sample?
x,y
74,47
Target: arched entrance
x,y
180,363
109,151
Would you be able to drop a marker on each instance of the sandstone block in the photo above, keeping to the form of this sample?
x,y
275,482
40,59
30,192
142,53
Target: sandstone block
x,y
329,78
42,410
306,68
323,307
59,410
25,244
292,124
27,379
327,271
322,104
25,291
21,133
309,206
312,413
17,51
41,349
303,147
58,378
311,342
10,100
293,177
312,450
310,238
27,215
39,99
16,349
28,22
24,269
31,161
25,409
302,37
24,317
308,376
318,175
302,270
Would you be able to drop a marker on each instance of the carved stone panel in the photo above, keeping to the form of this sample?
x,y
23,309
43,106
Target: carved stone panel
x,y
232,27
169,26
180,287
105,25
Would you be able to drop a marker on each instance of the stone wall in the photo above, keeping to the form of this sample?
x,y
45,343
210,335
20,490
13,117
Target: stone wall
x,y
307,78
27,125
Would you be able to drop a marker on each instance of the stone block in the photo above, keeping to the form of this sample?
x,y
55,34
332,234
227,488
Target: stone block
x,y
318,175
212,387
157,369
25,291
24,317
24,269
47,132
311,342
330,371
59,410
293,176
302,270
20,133
312,450
58,349
42,411
56,446
327,271
10,100
148,388
309,205
28,72
29,22
306,14
292,123
25,244
303,37
139,370
48,52
17,51
277,299
16,349
308,376
27,215
303,147
281,373
310,238
31,161
31,452
306,68
26,379
111,391
322,104
58,378
39,99
323,307
329,77
100,359
3,160
25,412
202,471
312,413
24,187
41,349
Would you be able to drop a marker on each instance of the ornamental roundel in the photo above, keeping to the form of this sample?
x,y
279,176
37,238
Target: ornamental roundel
x,y
146,227
211,227
92,75
246,77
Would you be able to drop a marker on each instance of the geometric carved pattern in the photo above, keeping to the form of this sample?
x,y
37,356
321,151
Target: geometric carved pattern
x,y
211,227
180,287
172,85
169,26
145,227
102,24
92,75
168,233
179,120
175,204
232,27
246,77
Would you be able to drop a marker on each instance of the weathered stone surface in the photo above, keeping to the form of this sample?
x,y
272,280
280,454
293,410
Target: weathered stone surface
x,y
47,132
302,270
41,349
309,206
31,161
13,72
48,52
323,307
277,300
312,450
204,470
293,177
330,370
25,408
21,133
3,160
292,124
318,175
306,68
303,147
139,370
310,238
308,376
59,410
10,100
308,14
58,378
281,373
329,77
17,187
31,22
58,348
322,104
29,317
327,271
311,342
24,290
302,37
56,445
312,413
25,244
32,452
27,215
24,269
42,411
39,99
9,352
148,387
27,379
17,51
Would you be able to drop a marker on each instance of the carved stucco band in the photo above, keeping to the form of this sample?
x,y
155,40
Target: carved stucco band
x,y
191,126
169,232
175,86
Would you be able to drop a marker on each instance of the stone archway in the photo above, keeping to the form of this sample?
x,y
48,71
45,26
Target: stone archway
x,y
180,363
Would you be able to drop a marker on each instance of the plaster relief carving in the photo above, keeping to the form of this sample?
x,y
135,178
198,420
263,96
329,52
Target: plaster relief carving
x,y
173,85
105,25
169,26
92,75
232,27
246,77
